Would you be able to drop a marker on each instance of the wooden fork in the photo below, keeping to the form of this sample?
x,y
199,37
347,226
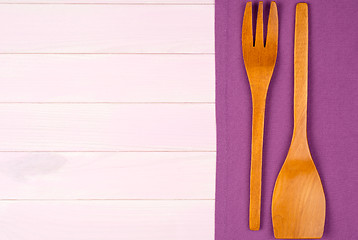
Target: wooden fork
x,y
259,61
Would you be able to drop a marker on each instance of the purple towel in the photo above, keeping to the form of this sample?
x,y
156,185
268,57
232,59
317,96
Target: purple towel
x,y
332,115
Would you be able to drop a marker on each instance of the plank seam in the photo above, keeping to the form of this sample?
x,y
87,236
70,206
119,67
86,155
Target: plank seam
x,y
198,151
115,53
123,3
125,199
129,103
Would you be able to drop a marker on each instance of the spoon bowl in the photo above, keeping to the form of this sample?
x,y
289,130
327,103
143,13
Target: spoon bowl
x,y
298,203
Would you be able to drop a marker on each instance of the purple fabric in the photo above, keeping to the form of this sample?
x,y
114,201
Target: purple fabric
x,y
332,116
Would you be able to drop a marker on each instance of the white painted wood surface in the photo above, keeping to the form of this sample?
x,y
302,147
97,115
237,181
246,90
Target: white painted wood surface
x,y
96,28
107,127
107,119
110,220
129,175
107,78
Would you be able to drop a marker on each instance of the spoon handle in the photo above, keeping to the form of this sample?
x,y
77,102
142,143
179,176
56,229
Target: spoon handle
x,y
301,72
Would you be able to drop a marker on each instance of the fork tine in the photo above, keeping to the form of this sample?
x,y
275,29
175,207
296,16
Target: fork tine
x,y
247,38
272,27
259,39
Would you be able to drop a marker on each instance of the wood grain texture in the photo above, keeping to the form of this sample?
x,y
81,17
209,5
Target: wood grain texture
x,y
107,127
260,59
86,28
107,220
107,78
298,202
130,175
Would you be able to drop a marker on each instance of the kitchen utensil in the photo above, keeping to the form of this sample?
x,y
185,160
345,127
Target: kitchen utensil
x,y
298,203
259,61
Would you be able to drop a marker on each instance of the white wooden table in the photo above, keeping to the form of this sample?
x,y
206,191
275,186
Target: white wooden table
x,y
107,120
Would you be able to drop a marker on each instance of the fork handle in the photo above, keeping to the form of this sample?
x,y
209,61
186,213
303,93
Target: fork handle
x,y
258,117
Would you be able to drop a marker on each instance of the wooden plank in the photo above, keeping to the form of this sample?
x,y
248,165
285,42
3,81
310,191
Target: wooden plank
x,y
107,220
107,127
107,78
155,175
103,28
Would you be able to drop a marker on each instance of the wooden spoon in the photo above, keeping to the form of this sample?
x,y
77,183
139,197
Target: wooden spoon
x,y
298,202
